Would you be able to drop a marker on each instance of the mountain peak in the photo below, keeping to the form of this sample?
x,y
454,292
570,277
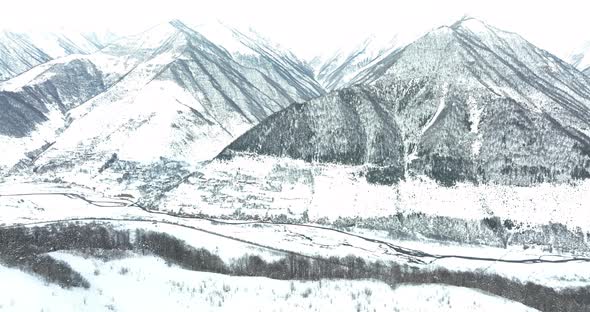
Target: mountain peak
x,y
179,25
173,34
472,24
466,19
479,27
465,24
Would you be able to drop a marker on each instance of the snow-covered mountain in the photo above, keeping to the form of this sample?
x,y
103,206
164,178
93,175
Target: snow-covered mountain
x,y
580,57
250,49
337,69
21,51
348,126
34,104
170,86
470,103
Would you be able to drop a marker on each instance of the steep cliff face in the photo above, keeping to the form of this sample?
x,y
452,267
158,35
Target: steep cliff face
x,y
472,103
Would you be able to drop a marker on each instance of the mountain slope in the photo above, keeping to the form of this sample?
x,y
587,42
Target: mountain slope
x,y
20,51
348,126
185,95
70,83
473,103
337,70
35,103
250,49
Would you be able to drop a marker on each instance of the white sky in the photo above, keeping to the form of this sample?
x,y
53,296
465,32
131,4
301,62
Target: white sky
x,y
311,27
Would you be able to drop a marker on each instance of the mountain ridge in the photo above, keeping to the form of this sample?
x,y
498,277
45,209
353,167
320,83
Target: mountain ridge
x,y
21,51
339,68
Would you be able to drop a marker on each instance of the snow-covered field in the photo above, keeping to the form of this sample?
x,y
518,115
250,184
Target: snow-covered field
x,y
149,284
269,185
220,238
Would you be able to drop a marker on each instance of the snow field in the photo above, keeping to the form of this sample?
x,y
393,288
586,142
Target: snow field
x,y
149,284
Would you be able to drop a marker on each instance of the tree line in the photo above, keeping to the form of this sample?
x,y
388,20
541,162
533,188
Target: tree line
x,y
26,248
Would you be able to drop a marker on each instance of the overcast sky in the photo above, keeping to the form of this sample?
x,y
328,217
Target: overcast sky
x,y
311,27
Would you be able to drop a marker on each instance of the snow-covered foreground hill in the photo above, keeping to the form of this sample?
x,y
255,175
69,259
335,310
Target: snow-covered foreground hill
x,y
149,284
48,209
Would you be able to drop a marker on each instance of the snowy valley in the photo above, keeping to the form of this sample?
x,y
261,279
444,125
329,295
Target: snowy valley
x,y
198,166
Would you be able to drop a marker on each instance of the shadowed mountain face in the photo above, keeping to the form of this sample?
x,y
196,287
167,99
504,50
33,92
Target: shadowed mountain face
x,y
58,89
471,102
349,126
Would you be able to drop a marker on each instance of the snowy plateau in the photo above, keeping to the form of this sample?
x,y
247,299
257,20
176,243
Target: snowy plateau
x,y
204,167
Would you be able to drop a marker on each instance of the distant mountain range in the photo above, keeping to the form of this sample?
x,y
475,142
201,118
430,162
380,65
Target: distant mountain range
x,y
464,103
337,69
20,51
